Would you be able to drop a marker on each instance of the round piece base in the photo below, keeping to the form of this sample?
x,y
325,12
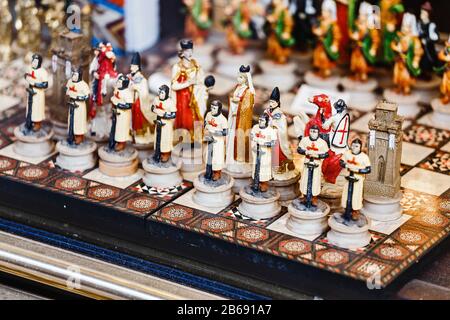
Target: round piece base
x,y
314,80
76,158
213,194
259,205
118,164
361,93
162,177
382,208
288,189
32,144
347,237
308,222
241,179
191,159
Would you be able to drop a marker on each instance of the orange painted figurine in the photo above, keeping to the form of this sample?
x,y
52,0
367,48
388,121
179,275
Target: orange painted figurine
x,y
280,39
198,20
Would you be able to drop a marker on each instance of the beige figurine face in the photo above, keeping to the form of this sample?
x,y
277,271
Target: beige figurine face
x,y
34,63
424,15
273,104
75,76
262,122
134,68
162,94
356,148
119,83
187,53
241,79
314,134
214,110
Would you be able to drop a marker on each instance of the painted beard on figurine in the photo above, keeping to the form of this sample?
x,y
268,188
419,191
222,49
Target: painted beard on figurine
x,y
75,153
213,188
350,229
34,136
161,171
259,201
117,158
308,216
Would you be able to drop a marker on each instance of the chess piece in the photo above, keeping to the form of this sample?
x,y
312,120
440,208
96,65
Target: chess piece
x,y
6,31
382,194
407,68
213,188
305,16
441,106
391,11
160,169
365,41
142,128
285,175
350,229
75,153
34,136
427,83
326,52
240,116
198,20
116,158
259,201
280,39
103,73
308,216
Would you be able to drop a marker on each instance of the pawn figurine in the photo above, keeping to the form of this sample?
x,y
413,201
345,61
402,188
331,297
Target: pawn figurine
x,y
75,153
116,158
160,169
33,136
308,216
213,189
258,200
350,229
441,106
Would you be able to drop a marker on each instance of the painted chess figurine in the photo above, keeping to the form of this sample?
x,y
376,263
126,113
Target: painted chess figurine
x,y
263,138
75,153
391,10
186,75
165,110
77,92
198,19
442,105
122,102
241,102
213,189
350,229
37,80
429,36
216,129
280,39
315,150
366,41
141,100
305,16
409,53
339,123
258,200
357,164
327,32
238,23
161,171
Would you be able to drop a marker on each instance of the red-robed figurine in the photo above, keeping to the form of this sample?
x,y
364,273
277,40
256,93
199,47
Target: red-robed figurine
x,y
330,167
102,68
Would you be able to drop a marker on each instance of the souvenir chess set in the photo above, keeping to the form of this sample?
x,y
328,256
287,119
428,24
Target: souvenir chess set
x,y
314,157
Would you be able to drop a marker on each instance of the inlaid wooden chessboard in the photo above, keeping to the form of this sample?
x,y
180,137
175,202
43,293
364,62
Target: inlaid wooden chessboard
x,y
265,249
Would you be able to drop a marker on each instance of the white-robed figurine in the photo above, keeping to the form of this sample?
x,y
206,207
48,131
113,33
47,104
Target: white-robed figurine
x,y
350,229
77,92
122,101
315,149
164,110
141,100
37,79
213,189
216,129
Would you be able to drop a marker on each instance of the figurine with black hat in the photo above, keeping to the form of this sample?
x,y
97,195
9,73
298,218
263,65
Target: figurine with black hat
x,y
259,200
117,158
34,136
240,117
213,187
76,154
161,171
142,118
285,174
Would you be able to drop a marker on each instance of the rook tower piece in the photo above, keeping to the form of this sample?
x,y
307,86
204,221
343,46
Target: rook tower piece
x,y
382,193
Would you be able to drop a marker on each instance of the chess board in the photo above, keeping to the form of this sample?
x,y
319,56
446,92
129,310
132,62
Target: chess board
x,y
168,220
